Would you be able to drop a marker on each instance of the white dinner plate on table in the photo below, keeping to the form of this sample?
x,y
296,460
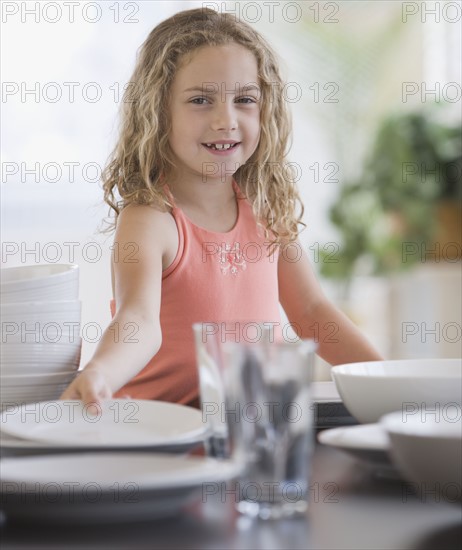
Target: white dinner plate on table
x,y
15,446
367,442
120,423
101,488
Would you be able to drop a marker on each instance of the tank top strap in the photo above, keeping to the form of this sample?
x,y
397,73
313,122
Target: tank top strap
x,y
237,190
167,191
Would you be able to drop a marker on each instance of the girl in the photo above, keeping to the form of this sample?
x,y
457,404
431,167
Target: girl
x,y
207,206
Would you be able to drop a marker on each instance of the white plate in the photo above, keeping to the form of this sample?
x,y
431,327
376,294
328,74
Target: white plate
x,y
94,487
123,423
16,446
368,442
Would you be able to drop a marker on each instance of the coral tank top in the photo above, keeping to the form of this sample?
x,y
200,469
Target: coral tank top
x,y
224,278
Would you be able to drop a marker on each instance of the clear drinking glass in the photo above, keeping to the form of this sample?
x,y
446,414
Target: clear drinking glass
x,y
209,357
256,400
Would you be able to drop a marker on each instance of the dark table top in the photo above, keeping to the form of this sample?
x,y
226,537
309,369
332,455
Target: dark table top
x,y
350,508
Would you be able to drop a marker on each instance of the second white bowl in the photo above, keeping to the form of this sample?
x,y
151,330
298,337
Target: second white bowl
x,y
427,447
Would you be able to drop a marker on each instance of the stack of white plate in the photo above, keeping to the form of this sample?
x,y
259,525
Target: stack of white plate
x,y
41,344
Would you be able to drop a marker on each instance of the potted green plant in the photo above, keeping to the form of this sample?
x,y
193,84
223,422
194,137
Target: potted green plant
x,y
406,205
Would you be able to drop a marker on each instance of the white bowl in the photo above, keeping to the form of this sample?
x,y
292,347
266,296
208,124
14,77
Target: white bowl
x,y
36,275
46,333
39,350
38,379
47,393
19,309
69,358
34,359
61,367
32,395
38,390
39,283
371,389
31,388
21,317
24,323
56,293
34,364
32,367
427,448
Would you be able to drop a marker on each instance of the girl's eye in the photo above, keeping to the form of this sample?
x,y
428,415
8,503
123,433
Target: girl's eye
x,y
198,99
245,100
249,100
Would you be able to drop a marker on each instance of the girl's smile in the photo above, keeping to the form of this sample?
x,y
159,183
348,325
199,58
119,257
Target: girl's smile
x,y
222,148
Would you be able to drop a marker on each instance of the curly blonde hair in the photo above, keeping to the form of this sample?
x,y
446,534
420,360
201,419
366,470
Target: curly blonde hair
x,y
142,155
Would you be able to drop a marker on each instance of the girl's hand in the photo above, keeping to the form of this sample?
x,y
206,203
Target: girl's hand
x,y
91,387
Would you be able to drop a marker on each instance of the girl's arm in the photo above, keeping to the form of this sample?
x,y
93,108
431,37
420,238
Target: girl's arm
x,y
339,340
134,335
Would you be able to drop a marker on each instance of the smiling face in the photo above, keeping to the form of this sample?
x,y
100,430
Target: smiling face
x,y
213,100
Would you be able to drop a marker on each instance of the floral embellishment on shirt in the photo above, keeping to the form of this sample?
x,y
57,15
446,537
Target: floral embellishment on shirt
x,y
231,259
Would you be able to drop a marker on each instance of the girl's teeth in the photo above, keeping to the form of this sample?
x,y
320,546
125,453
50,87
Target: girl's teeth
x,y
220,146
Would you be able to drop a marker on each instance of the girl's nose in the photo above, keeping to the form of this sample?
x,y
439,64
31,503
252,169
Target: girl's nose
x,y
224,117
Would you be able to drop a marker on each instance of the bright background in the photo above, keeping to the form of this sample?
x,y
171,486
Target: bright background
x,y
366,49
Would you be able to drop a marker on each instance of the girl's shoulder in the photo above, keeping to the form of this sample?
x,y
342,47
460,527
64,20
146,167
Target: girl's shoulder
x,y
148,227
144,214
